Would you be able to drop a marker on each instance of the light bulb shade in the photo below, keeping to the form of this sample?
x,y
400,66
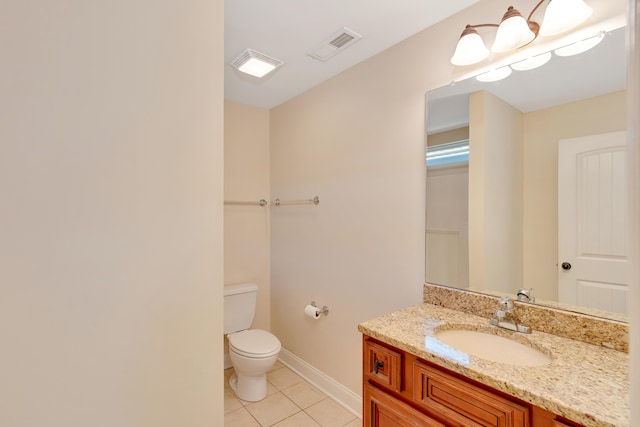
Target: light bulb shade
x,y
563,15
470,48
513,32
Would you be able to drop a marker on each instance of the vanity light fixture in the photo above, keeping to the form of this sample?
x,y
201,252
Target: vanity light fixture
x,y
514,31
470,48
561,16
255,63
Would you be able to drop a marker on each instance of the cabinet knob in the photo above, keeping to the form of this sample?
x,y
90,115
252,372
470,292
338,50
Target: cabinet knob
x,y
379,364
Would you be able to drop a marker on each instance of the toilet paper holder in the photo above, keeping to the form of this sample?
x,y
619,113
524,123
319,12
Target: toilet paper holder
x,y
324,310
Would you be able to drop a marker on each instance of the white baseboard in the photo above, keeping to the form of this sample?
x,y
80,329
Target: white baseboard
x,y
345,397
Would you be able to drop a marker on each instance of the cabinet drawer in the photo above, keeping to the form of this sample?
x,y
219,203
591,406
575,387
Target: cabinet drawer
x,y
382,365
462,403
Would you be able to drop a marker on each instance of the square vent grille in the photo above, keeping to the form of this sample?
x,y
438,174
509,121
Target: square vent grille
x,y
334,44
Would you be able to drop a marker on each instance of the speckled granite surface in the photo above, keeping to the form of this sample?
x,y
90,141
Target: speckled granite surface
x,y
585,383
576,326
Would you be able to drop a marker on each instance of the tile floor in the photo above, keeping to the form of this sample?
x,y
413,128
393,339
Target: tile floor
x,y
290,402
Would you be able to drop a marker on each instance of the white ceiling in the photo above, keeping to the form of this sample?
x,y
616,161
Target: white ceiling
x,y
287,29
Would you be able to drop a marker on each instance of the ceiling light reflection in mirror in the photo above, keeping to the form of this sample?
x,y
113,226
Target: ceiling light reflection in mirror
x,y
532,62
495,75
536,61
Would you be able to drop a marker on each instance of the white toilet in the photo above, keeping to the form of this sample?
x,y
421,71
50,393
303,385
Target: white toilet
x,y
252,351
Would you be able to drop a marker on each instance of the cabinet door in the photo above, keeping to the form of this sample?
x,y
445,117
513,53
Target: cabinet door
x,y
382,410
462,403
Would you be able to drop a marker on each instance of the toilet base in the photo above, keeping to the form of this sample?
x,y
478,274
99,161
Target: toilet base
x,y
250,388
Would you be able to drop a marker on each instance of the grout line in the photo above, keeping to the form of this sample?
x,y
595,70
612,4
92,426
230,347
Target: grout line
x,y
254,418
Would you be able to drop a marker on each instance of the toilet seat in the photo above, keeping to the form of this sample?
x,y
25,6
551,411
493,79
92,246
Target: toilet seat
x,y
254,343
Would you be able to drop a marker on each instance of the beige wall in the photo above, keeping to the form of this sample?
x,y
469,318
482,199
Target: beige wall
x,y
354,141
246,228
542,131
111,212
357,141
495,193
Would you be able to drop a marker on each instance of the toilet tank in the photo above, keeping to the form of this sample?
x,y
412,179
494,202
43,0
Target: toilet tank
x,y
239,306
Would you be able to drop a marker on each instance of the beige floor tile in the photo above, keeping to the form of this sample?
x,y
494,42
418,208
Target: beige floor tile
x,y
304,394
298,420
283,378
271,389
272,409
240,418
276,365
231,402
355,423
330,414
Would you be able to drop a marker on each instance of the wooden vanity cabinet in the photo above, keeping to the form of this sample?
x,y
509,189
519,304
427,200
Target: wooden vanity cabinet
x,y
383,364
402,390
462,403
383,410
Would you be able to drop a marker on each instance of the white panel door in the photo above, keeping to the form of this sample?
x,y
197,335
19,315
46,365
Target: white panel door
x,y
592,222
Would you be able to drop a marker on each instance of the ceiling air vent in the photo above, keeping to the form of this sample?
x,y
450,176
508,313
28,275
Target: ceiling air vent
x,y
255,63
335,43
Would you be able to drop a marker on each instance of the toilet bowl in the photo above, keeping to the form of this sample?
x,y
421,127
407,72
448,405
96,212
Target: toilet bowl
x,y
252,351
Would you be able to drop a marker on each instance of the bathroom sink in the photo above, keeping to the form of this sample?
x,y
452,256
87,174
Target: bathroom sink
x,y
493,348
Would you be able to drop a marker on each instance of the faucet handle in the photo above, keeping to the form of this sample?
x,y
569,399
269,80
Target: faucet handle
x,y
506,304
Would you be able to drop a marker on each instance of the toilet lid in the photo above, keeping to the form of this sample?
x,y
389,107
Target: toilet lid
x,y
254,342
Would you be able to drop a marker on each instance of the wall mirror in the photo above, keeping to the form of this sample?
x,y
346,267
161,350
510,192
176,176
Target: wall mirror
x,y
496,218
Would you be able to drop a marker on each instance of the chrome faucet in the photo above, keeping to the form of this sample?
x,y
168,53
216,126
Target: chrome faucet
x,y
505,317
524,294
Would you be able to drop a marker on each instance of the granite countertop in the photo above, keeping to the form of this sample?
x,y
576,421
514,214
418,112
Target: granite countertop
x,y
586,383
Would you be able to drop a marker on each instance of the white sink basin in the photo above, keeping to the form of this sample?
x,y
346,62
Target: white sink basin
x,y
493,348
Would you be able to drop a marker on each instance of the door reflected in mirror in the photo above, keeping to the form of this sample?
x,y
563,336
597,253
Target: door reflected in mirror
x,y
492,220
